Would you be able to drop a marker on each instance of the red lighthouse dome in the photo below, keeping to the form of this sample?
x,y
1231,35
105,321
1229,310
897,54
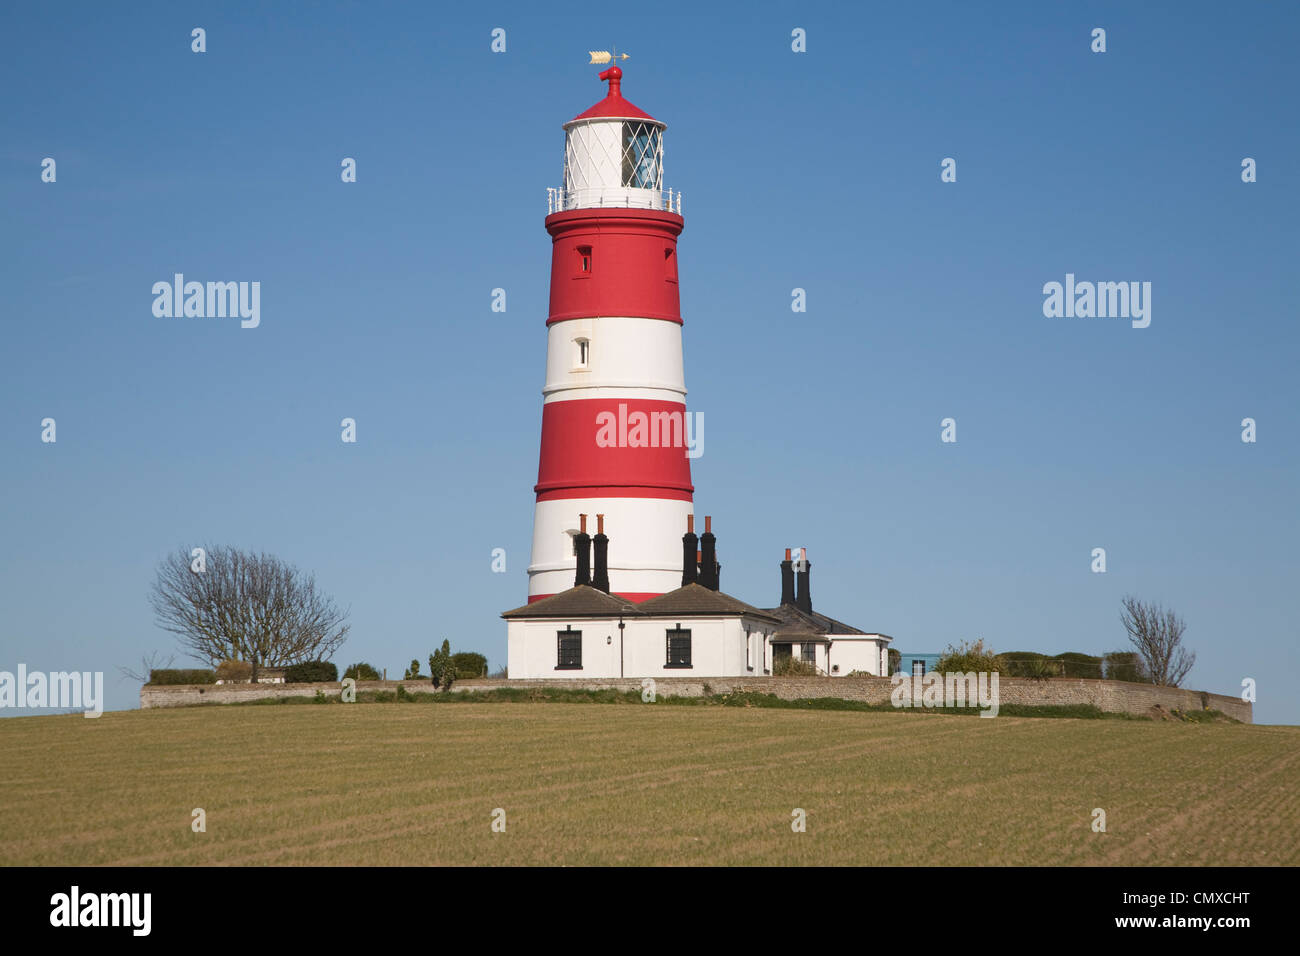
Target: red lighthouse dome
x,y
613,106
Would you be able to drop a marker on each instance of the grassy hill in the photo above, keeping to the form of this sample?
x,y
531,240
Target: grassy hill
x,y
651,784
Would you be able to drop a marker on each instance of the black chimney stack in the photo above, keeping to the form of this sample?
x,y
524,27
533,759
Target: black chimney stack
x,y
708,556
601,580
582,548
787,579
802,600
689,569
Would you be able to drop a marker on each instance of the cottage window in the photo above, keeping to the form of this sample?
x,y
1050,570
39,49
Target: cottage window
x,y
679,647
569,649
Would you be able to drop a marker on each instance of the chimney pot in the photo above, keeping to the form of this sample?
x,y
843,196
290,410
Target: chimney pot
x,y
582,548
787,579
690,558
803,596
708,556
600,579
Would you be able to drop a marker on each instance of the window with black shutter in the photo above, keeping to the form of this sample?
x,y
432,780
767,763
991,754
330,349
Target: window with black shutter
x,y
679,647
569,657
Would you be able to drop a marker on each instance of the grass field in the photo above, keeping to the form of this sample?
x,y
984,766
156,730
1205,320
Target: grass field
x,y
605,784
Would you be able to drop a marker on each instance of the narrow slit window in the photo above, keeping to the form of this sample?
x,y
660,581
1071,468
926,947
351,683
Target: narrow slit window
x,y
583,353
670,264
584,260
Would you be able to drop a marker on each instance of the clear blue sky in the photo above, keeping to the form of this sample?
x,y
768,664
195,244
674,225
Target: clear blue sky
x,y
817,170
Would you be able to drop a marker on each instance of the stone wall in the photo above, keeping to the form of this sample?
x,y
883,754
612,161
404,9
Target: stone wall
x,y
1107,695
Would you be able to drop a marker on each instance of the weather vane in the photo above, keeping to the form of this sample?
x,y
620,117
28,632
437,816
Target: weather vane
x,y
604,56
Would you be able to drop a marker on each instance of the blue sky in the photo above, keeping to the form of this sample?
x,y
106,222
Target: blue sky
x,y
817,170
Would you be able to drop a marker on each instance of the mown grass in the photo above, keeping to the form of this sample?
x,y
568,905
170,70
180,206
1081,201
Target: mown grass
x,y
667,783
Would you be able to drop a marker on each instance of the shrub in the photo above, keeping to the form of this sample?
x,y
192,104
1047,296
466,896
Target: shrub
x,y
1074,664
442,671
361,671
895,662
1029,664
234,671
182,676
970,656
413,672
469,664
311,672
793,667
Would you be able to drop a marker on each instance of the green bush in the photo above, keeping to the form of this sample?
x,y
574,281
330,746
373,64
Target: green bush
x,y
413,672
793,667
362,671
311,672
1022,664
469,664
442,672
970,656
1074,664
1067,664
895,662
181,676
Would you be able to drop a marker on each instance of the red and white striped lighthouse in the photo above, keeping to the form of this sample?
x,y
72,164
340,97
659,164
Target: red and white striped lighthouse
x,y
614,415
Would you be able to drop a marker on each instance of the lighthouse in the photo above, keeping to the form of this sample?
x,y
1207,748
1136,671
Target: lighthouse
x,y
614,426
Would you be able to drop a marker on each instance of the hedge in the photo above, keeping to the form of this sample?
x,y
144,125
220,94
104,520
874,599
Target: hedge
x,y
181,676
311,672
1033,664
469,664
362,671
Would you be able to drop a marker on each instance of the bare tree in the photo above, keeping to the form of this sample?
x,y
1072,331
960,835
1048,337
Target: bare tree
x,y
1158,636
245,606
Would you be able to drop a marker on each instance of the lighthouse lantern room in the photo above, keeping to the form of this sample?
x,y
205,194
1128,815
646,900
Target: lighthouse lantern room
x,y
613,156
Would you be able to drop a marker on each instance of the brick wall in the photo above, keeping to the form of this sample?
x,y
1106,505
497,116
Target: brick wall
x,y
1112,696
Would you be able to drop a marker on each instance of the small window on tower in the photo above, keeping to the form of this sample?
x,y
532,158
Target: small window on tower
x,y
584,260
583,355
670,264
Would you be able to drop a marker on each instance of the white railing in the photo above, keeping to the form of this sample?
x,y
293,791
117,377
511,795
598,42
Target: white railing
x,y
557,200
